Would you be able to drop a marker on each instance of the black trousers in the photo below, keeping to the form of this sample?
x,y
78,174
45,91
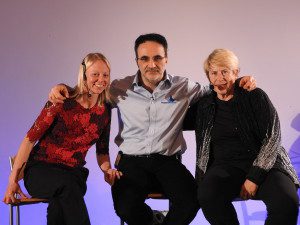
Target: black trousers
x,y
64,187
221,184
157,172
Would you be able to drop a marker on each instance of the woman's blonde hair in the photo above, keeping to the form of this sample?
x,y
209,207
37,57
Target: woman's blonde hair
x,y
81,86
222,58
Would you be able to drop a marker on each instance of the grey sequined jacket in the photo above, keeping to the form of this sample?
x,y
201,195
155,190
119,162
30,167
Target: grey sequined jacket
x,y
258,128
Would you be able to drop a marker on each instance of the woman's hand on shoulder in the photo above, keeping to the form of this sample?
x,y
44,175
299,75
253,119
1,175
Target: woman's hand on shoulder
x,y
248,83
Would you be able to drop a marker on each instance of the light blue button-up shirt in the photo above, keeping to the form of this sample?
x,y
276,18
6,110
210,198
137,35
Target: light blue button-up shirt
x,y
152,122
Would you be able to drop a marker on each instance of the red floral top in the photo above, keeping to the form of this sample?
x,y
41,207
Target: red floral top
x,y
66,131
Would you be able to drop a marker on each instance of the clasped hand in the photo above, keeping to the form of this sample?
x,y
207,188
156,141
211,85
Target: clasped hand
x,y
111,175
248,190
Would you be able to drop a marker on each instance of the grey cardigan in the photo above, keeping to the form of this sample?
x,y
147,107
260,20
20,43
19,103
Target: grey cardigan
x,y
258,128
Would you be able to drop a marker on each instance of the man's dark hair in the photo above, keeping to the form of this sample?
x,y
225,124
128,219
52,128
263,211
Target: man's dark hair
x,y
151,37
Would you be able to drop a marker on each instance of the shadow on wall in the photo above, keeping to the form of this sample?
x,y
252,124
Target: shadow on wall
x,y
295,148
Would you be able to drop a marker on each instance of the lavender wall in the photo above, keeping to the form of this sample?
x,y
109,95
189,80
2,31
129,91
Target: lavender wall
x,y
43,42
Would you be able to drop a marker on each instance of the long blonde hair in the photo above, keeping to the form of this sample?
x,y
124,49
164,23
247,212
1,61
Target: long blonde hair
x,y
81,87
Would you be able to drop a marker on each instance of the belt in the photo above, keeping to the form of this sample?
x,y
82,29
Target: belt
x,y
154,155
141,156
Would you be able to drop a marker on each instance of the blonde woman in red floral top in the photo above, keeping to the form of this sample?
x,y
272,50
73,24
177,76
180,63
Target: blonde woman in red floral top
x,y
56,146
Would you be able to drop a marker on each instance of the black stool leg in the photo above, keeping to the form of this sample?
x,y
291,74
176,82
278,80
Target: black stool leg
x,y
11,215
17,215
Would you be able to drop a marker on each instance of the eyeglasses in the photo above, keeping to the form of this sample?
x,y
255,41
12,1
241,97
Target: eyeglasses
x,y
146,59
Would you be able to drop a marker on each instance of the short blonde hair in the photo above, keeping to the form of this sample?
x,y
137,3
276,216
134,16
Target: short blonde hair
x,y
222,58
81,87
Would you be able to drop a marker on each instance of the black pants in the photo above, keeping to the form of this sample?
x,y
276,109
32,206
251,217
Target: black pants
x,y
221,184
64,187
142,175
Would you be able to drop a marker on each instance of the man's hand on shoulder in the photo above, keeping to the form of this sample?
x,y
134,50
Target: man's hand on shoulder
x,y
248,83
58,94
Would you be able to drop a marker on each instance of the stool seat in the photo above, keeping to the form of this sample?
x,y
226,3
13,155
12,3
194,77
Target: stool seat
x,y
29,201
156,196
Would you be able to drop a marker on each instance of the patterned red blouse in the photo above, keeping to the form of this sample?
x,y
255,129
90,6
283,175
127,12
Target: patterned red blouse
x,y
66,131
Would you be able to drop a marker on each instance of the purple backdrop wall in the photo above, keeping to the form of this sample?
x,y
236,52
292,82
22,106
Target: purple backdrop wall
x,y
43,42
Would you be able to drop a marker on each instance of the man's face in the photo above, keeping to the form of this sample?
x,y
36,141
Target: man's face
x,y
151,60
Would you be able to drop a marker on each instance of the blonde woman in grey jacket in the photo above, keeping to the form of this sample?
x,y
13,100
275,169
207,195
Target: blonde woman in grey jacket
x,y
239,150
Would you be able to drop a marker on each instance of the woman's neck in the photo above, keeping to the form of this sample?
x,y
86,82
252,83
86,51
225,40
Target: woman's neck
x,y
87,100
225,97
